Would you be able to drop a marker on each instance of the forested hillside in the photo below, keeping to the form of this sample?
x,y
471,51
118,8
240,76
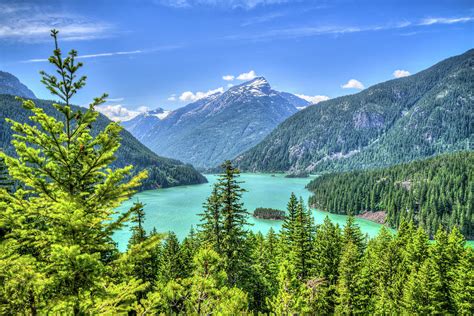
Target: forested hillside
x,y
397,121
433,193
163,172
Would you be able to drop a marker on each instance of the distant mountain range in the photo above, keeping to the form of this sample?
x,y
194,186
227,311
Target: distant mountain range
x,y
218,127
163,172
397,121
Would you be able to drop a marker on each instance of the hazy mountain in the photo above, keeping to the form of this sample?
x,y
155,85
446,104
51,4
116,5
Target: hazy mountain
x,y
217,127
142,123
396,121
9,84
163,172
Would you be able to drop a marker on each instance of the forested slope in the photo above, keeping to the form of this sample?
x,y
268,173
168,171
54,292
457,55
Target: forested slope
x,y
163,172
433,193
397,121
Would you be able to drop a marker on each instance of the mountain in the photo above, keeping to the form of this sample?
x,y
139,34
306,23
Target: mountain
x,y
432,193
397,121
142,123
218,127
163,172
9,84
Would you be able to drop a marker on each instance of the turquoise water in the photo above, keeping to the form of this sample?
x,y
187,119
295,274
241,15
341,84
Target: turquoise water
x,y
176,209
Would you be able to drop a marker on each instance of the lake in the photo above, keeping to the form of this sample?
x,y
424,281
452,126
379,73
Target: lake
x,y
176,209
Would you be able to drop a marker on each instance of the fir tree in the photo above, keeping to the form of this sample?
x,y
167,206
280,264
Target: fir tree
x,y
60,221
234,219
211,230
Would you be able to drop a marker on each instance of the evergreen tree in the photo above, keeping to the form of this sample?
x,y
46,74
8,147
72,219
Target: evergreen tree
x,y
234,219
347,289
288,299
60,222
327,249
287,228
423,294
463,284
211,230
171,268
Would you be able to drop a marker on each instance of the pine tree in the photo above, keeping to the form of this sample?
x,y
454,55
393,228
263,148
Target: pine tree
x,y
171,260
352,234
327,249
301,247
234,219
144,249
211,230
208,292
347,290
288,299
61,219
287,228
423,292
462,288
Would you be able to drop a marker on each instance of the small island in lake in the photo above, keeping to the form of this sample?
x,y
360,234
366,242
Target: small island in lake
x,y
269,213
297,175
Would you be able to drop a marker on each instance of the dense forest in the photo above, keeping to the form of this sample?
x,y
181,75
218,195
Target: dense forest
x,y
269,213
433,193
396,121
162,172
58,256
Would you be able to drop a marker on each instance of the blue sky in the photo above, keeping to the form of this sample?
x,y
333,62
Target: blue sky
x,y
166,53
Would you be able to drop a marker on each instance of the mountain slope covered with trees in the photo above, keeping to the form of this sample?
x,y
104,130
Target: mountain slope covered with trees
x,y
433,193
397,121
163,172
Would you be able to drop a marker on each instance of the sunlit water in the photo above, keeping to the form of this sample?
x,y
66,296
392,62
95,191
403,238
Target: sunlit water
x,y
176,209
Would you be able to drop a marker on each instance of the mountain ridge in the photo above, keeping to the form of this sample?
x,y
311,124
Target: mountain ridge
x,y
219,126
163,172
391,122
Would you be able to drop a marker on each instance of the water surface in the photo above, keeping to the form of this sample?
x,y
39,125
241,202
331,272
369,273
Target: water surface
x,y
176,209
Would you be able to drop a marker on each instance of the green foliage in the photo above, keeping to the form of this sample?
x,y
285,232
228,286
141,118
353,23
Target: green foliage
x,y
59,222
224,223
433,193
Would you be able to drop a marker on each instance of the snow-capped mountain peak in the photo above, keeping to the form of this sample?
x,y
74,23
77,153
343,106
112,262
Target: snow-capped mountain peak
x,y
258,86
159,113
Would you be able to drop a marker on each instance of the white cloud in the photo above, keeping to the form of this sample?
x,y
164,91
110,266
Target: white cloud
x,y
232,4
313,99
310,30
431,21
118,112
353,84
228,77
109,54
247,75
32,23
143,108
189,96
401,73
172,97
115,99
